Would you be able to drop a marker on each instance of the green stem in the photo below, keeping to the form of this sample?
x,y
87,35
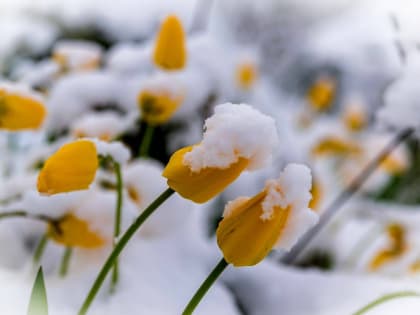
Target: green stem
x,y
40,249
205,286
147,140
117,222
385,298
120,246
65,261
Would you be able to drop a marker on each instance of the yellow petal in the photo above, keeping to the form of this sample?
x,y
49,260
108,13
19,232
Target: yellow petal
x,y
72,167
395,250
203,185
74,232
170,51
334,146
244,238
317,194
157,108
321,94
19,112
246,74
393,165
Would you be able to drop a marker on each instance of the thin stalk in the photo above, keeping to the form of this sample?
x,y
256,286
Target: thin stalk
x,y
40,249
65,261
205,286
345,195
385,298
117,221
125,238
24,214
146,141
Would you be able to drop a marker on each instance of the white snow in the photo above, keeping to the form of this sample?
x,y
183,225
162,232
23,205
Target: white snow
x,y
234,131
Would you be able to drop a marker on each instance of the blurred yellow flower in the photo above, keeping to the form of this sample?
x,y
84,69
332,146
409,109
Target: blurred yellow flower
x,y
321,94
317,195
18,111
170,52
394,165
396,248
203,185
72,231
355,117
246,75
157,107
72,167
335,146
274,218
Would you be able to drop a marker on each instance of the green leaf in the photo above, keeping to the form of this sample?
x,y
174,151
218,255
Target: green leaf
x,y
38,304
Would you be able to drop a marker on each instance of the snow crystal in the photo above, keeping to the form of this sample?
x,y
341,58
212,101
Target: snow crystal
x,y
295,182
234,131
117,150
21,90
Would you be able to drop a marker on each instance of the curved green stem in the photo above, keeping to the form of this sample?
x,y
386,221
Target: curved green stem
x,y
205,286
147,140
40,249
120,246
65,261
117,222
385,298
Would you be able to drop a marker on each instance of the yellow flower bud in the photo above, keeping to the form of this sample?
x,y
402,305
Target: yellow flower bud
x,y
335,146
274,218
18,111
321,94
244,238
246,75
395,250
157,107
72,231
72,167
170,52
203,185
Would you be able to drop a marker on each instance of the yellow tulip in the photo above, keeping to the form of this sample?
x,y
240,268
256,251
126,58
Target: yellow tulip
x,y
72,231
157,107
246,75
244,238
395,250
19,112
170,52
321,94
71,168
203,185
335,146
274,218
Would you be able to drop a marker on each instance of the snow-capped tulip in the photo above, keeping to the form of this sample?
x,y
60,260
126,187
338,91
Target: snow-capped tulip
x,y
246,75
170,52
321,94
274,218
72,167
77,55
355,117
236,138
157,107
20,109
72,231
317,195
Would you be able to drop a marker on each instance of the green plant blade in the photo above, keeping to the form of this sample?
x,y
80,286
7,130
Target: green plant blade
x,y
38,305
385,298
